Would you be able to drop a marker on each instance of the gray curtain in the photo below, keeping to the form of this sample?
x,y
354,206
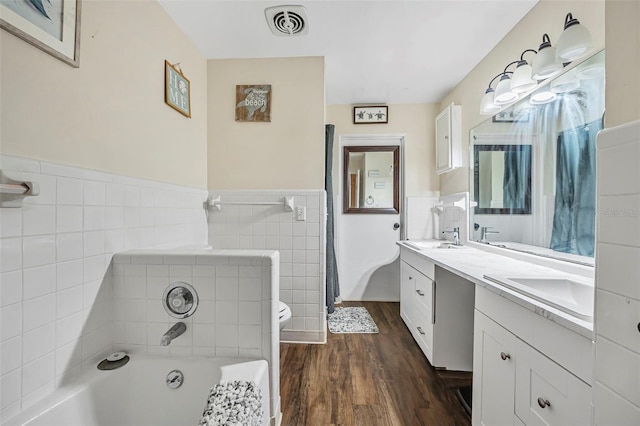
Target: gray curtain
x,y
575,203
333,286
516,185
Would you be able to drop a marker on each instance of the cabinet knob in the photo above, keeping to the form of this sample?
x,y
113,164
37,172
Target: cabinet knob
x,y
420,293
410,278
543,403
420,330
504,356
639,326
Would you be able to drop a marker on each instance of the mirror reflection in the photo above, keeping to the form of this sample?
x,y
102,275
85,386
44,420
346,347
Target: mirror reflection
x,y
371,179
557,124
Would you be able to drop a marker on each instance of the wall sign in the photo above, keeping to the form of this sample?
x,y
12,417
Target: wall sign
x,y
370,114
253,102
177,89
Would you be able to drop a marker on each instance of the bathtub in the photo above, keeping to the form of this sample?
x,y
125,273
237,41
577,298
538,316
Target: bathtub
x,y
137,394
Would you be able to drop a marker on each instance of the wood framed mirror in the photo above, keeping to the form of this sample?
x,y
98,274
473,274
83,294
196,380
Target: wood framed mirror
x,y
371,179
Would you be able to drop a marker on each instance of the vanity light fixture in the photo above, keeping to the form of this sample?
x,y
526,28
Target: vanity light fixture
x,y
541,97
574,42
487,104
544,64
504,95
521,80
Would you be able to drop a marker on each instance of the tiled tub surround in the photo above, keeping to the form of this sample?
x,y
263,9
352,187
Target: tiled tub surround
x,y
54,252
301,245
236,316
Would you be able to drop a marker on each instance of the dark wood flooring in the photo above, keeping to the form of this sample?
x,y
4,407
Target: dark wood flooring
x,y
368,379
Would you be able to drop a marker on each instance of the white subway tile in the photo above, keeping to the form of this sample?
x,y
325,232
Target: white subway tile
x,y
616,268
94,243
70,274
11,355
135,333
114,240
69,191
91,292
10,288
619,220
11,324
47,189
227,289
618,172
204,335
69,301
10,223
206,287
250,313
94,268
250,336
39,281
10,254
38,250
10,389
68,357
94,193
206,312
115,194
226,312
69,218
135,287
95,342
69,246
131,310
94,218
38,342
114,217
226,336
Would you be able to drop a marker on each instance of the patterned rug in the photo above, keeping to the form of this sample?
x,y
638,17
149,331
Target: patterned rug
x,y
351,320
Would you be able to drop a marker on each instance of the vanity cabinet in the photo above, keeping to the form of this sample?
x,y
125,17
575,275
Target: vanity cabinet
x,y
437,307
449,139
528,370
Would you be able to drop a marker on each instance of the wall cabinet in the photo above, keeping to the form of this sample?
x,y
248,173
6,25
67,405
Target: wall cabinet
x,y
449,139
437,307
514,382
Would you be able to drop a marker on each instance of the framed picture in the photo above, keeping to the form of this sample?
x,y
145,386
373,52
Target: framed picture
x,y
512,116
52,26
253,102
177,89
370,114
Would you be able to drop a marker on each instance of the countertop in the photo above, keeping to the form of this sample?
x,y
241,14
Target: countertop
x,y
472,264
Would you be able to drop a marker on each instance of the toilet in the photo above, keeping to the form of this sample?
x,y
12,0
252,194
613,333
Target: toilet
x,y
284,315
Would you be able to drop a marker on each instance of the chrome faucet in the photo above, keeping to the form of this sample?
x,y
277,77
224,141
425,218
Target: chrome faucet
x,y
175,331
484,231
456,235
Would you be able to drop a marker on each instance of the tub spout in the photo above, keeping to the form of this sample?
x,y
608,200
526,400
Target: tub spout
x,y
175,331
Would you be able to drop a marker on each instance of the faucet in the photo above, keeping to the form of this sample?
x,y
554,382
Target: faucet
x,y
484,230
456,235
175,331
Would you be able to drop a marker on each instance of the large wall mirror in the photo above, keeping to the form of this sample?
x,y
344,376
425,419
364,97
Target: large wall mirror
x,y
371,179
550,135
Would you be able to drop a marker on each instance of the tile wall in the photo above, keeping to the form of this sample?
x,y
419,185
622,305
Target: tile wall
x,y
54,252
236,314
301,245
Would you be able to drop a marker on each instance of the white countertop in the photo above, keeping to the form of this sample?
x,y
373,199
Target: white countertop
x,y
472,264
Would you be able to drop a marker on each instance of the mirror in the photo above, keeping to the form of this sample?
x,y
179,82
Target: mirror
x,y
502,179
547,139
371,179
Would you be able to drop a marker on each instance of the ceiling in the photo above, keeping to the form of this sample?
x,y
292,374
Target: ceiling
x,y
375,51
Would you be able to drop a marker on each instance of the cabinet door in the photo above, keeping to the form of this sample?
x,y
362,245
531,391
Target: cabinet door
x,y
407,288
547,394
494,373
443,141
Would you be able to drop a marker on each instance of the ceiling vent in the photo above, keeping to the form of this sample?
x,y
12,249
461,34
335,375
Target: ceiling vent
x,y
287,20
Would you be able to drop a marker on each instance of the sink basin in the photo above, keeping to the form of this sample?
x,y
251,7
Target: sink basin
x,y
421,245
572,296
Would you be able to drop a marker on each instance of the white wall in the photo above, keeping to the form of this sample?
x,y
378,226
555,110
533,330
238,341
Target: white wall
x,y
109,114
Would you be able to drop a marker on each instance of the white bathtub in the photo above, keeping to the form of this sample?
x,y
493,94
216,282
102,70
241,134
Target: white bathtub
x,y
137,394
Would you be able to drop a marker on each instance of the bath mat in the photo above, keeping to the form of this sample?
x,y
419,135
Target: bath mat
x,y
351,320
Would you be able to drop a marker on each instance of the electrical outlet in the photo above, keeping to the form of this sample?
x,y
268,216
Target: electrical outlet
x,y
301,213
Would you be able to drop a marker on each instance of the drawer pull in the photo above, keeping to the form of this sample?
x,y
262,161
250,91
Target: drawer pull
x,y
639,326
410,278
543,403
504,356
420,331
420,293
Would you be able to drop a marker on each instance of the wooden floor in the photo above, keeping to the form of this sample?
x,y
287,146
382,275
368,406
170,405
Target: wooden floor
x,y
368,379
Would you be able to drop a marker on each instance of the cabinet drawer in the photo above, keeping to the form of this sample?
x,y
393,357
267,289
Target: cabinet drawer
x,y
611,409
422,331
619,369
424,294
554,396
418,262
618,319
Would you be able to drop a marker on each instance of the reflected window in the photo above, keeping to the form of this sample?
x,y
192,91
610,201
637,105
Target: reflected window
x,y
371,177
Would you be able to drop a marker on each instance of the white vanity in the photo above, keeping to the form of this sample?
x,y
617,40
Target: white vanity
x,y
532,361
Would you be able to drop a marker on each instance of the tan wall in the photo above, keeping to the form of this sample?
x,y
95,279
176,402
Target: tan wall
x,y
109,114
287,152
546,17
622,96
414,120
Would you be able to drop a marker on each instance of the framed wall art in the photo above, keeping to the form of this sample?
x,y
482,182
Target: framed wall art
x,y
253,102
52,26
177,89
370,114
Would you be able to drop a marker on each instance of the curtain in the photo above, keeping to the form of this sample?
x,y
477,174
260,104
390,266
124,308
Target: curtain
x,y
333,285
575,200
516,184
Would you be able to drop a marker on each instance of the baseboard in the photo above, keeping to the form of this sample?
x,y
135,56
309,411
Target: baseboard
x,y
300,336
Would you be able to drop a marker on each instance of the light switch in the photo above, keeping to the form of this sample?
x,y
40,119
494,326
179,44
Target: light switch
x,y
301,213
